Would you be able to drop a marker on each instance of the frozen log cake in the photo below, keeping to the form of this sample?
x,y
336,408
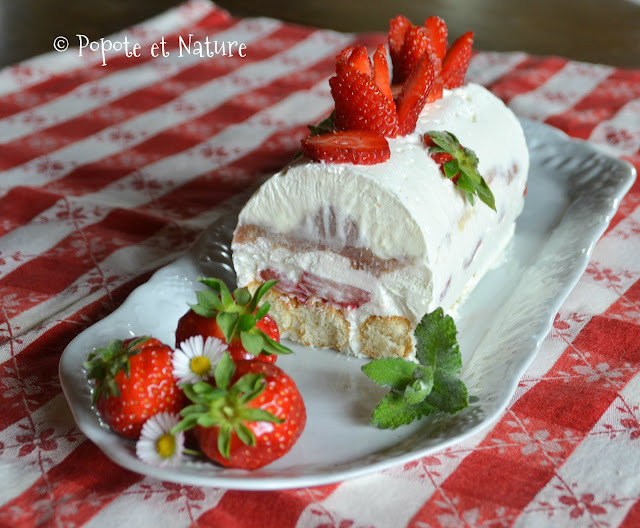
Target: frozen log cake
x,y
363,251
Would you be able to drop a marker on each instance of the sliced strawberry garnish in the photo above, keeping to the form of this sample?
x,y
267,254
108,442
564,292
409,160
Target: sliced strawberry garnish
x,y
342,58
354,58
398,28
360,105
436,91
456,61
437,34
407,43
359,61
414,94
381,72
416,44
360,147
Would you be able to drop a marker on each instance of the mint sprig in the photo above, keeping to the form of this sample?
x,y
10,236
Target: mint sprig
x,y
464,166
325,126
426,387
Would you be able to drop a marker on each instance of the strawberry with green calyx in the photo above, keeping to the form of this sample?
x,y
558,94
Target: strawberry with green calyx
x,y
235,319
426,387
459,164
133,381
251,417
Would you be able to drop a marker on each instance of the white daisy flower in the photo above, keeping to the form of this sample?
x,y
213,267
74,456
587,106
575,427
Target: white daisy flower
x,y
157,445
195,359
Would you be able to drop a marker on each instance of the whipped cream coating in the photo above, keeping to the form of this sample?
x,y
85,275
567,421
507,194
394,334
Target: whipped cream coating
x,y
429,245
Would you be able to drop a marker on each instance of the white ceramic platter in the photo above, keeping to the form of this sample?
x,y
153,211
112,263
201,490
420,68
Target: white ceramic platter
x,y
573,192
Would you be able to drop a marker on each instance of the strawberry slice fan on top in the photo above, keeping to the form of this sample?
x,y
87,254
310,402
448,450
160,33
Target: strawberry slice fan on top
x,y
236,319
366,112
408,43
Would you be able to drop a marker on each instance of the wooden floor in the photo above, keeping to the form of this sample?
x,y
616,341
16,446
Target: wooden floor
x,y
602,31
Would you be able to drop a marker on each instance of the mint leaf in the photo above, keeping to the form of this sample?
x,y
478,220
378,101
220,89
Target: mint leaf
x,y
421,386
323,127
427,387
451,168
436,343
396,373
449,394
464,165
393,411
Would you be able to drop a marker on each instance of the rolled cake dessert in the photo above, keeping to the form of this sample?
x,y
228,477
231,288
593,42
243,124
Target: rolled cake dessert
x,y
363,252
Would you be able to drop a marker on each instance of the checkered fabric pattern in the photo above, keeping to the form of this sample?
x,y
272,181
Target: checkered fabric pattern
x,y
109,172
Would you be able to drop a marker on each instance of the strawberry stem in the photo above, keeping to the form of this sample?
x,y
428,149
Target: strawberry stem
x,y
104,363
237,314
225,406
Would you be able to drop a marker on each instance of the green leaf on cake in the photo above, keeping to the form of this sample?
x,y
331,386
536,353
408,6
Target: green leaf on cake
x,y
464,166
323,127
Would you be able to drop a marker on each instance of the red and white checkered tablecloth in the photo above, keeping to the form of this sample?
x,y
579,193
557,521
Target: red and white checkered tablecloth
x,y
109,172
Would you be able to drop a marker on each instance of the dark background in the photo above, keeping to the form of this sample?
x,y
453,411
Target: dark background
x,y
601,31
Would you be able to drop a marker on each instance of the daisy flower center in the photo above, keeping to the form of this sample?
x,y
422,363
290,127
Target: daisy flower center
x,y
166,445
200,365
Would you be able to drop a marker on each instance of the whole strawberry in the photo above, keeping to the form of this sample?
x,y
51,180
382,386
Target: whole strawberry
x,y
253,415
235,319
133,381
